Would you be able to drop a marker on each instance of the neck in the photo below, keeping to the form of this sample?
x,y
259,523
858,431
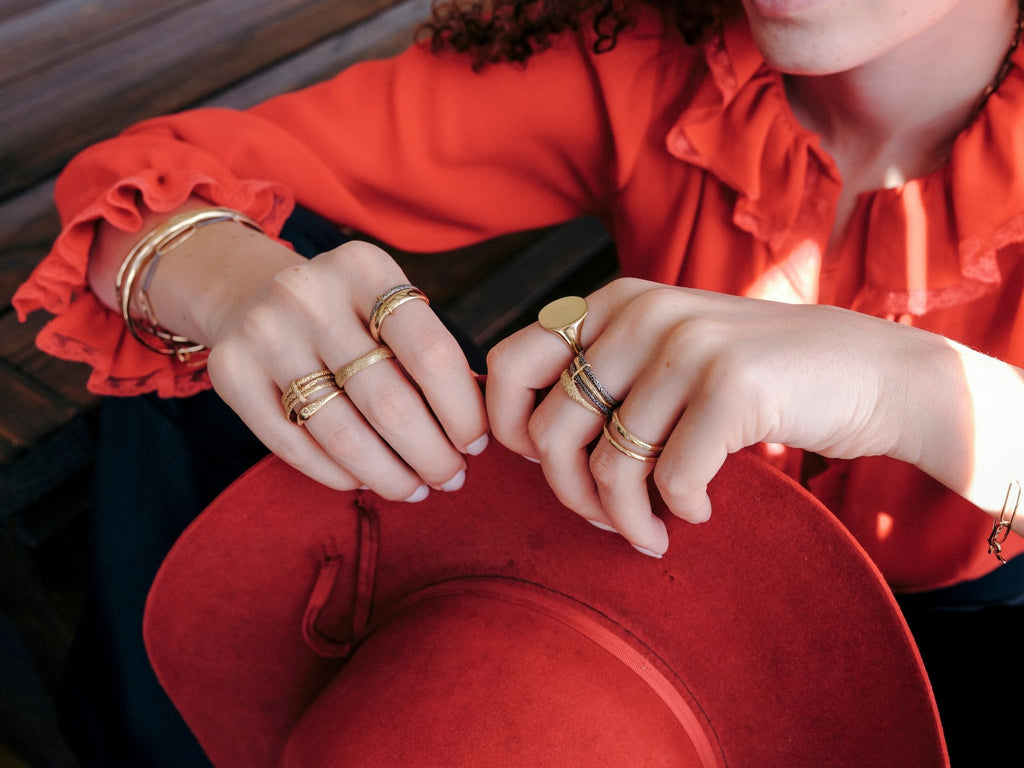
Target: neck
x,y
899,113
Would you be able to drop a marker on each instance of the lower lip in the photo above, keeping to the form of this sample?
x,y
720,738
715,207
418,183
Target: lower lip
x,y
779,8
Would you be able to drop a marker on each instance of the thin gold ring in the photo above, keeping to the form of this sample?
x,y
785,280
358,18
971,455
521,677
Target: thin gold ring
x,y
346,372
623,449
572,390
617,423
306,412
389,301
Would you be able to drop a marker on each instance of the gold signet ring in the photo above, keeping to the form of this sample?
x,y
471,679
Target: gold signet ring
x,y
564,317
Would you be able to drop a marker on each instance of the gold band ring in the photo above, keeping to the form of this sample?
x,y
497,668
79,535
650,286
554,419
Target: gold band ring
x,y
388,302
572,390
305,412
346,372
629,436
624,450
299,390
564,317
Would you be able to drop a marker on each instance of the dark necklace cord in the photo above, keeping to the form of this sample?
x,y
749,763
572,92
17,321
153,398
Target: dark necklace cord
x,y
1004,67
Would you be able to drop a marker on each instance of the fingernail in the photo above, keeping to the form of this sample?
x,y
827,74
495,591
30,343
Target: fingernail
x,y
421,493
647,552
602,526
477,446
455,483
530,458
364,487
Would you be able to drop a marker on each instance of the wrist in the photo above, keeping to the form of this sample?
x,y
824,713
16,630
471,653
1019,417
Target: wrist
x,y
964,410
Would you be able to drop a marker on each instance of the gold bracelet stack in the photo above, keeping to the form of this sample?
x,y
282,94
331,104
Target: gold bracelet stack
x,y
137,270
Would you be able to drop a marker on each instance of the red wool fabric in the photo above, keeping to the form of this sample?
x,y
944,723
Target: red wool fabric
x,y
294,625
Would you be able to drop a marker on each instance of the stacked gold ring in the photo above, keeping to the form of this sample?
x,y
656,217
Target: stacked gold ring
x,y
653,450
298,392
389,301
586,382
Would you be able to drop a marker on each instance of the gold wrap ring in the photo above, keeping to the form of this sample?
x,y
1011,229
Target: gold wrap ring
x,y
298,392
389,301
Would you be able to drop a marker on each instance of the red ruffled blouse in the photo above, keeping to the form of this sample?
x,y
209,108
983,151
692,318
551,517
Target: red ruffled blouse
x,y
691,156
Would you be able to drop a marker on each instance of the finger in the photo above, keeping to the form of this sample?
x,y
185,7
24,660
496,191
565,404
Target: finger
x,y
518,367
433,359
564,459
392,406
259,406
621,479
692,457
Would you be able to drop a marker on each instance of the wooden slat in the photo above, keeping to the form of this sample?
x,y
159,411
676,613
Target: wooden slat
x,y
62,378
29,413
9,9
28,222
175,62
50,33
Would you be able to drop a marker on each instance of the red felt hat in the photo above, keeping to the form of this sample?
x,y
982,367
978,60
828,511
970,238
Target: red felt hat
x,y
293,625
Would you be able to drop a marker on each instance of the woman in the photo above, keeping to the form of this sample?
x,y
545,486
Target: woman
x,y
832,181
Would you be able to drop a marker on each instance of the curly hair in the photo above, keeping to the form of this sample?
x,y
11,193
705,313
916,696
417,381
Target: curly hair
x,y
493,31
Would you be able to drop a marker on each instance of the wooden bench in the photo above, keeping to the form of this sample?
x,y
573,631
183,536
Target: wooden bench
x,y
73,72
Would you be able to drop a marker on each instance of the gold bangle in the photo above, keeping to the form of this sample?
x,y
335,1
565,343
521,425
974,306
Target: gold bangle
x,y
142,261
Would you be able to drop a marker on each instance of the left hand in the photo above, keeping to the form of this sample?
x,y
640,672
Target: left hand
x,y
705,374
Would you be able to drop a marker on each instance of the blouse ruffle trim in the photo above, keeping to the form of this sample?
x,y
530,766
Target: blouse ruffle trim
x,y
85,330
740,128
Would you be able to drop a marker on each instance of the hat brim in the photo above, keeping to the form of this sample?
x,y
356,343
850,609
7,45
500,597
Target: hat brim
x,y
770,618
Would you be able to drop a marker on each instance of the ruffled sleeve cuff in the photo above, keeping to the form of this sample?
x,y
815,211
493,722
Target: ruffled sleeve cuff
x,y
85,330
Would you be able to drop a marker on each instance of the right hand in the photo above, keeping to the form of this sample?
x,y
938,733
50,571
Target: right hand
x,y
402,425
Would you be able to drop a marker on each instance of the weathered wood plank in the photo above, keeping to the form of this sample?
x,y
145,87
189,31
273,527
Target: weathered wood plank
x,y
48,33
28,222
11,8
160,68
30,412
64,379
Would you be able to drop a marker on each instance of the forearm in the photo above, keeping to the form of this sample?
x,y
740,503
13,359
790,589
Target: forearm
x,y
198,282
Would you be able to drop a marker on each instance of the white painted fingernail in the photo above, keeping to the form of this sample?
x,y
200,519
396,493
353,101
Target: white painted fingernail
x,y
477,446
455,483
364,487
421,493
647,552
602,526
530,458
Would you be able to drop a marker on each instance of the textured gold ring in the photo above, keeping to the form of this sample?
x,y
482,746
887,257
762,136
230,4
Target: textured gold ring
x,y
588,384
564,317
572,390
654,448
299,390
389,301
623,449
346,372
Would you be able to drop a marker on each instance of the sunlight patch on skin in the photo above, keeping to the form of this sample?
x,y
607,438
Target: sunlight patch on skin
x,y
995,457
794,280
